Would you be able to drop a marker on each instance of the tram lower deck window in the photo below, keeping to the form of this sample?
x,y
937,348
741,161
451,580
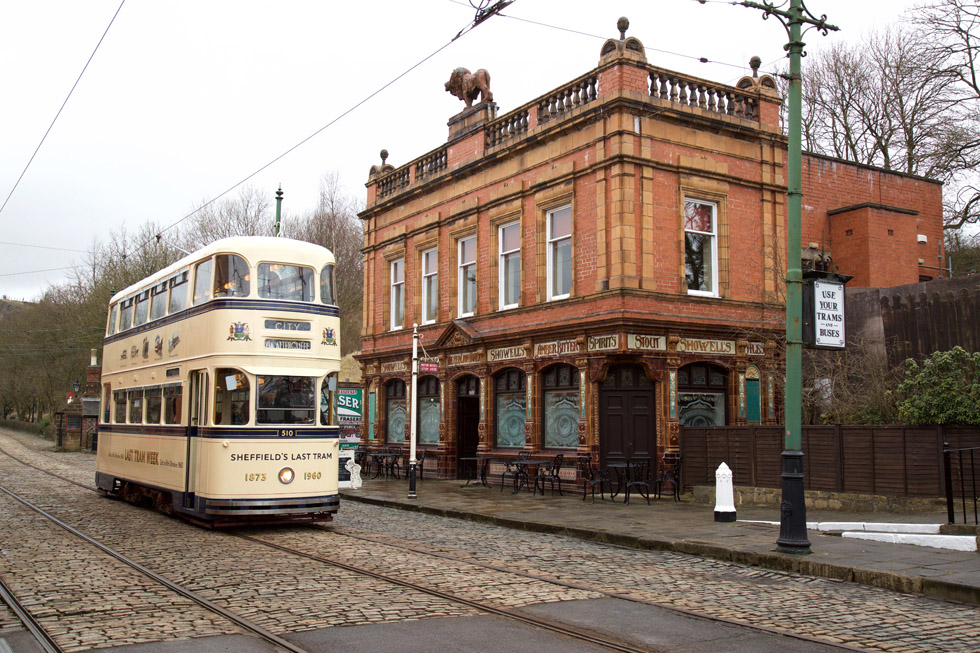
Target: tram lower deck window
x,y
136,406
231,394
119,399
172,404
285,400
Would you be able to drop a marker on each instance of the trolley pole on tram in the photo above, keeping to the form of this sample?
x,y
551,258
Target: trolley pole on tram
x,y
792,510
412,462
277,227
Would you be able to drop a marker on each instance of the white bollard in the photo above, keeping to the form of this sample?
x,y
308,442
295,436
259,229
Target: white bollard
x,y
724,494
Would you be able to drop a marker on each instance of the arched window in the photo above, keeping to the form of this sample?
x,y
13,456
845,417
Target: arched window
x,y
395,407
428,404
702,389
560,385
510,395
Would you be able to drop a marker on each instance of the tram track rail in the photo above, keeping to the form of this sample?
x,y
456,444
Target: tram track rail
x,y
32,625
513,615
207,604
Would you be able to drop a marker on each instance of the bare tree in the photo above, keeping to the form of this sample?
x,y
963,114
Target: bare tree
x,y
334,224
247,215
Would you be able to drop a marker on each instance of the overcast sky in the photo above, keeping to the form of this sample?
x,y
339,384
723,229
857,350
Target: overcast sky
x,y
184,99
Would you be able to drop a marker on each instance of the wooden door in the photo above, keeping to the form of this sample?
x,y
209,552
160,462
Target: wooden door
x,y
467,433
627,416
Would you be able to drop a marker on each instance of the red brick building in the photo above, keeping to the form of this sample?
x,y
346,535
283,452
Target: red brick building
x,y
605,263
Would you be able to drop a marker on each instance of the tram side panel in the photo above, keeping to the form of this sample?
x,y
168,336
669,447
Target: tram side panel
x,y
156,461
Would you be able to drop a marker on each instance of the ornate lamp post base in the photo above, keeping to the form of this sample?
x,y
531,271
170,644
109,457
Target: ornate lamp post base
x,y
792,510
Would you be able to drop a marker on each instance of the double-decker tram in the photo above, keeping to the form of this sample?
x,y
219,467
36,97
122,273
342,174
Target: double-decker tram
x,y
218,386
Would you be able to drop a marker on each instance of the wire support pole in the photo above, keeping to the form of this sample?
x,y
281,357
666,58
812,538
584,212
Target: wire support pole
x,y
792,509
414,405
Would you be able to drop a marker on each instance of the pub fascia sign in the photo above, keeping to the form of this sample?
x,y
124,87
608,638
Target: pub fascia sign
x,y
505,353
555,348
705,346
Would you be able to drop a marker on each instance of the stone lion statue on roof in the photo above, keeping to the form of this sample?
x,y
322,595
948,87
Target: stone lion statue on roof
x,y
466,85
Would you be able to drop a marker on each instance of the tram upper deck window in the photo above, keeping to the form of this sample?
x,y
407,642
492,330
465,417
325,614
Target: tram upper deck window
x,y
119,399
178,292
231,276
142,310
202,282
113,315
154,404
231,397
326,285
126,316
136,406
285,400
292,282
172,404
158,305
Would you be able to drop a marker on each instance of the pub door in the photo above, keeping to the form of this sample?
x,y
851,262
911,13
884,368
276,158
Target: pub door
x,y
467,424
627,417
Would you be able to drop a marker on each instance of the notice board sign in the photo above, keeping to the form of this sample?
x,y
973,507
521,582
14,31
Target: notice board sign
x,y
823,310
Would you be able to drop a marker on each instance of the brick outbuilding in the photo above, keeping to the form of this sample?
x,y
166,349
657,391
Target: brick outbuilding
x,y
605,263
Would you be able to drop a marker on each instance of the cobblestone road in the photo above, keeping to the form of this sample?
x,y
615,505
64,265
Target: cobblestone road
x,y
288,594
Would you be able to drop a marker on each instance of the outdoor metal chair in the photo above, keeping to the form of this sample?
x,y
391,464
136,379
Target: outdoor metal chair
x,y
517,470
670,474
549,473
591,477
638,478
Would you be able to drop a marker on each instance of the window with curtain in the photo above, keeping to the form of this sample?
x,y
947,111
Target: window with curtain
x,y
700,247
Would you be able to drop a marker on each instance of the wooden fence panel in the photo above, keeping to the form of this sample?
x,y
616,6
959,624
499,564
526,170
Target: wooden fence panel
x,y
822,452
886,460
889,461
857,452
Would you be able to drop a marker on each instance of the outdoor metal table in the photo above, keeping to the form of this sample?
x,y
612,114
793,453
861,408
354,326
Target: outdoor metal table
x,y
385,461
622,471
478,472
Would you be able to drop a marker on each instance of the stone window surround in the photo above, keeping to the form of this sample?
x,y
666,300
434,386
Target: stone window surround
x,y
455,236
705,190
495,271
421,248
546,202
389,258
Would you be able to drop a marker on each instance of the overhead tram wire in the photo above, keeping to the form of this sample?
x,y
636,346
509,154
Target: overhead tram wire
x,y
604,38
60,249
481,16
43,138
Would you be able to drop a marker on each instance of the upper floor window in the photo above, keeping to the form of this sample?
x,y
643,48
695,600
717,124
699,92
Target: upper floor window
x,y
178,292
397,293
559,253
509,265
326,285
430,286
158,305
142,309
202,282
701,247
467,276
231,276
291,282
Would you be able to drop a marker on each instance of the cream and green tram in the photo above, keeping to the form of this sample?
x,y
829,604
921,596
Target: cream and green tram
x,y
219,386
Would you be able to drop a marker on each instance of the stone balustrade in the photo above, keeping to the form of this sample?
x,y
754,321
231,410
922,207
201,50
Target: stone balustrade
x,y
700,94
582,91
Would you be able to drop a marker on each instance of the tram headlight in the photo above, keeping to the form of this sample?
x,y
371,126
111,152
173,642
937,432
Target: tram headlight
x,y
286,475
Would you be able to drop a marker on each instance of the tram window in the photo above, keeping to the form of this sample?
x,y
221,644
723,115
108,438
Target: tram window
x,y
277,281
178,293
154,403
113,314
136,406
202,282
231,278
142,308
328,401
126,316
119,398
158,303
106,403
231,397
285,400
326,285
172,404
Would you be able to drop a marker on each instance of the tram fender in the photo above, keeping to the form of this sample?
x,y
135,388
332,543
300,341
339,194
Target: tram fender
x,y
105,482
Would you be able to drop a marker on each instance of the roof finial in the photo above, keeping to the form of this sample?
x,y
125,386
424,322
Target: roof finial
x,y
622,25
754,63
384,156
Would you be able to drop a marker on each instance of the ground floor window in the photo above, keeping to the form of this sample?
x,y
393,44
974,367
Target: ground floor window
x,y
396,414
510,395
561,408
429,416
702,390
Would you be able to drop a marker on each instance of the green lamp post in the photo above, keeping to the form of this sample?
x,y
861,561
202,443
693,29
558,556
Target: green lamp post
x,y
792,510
